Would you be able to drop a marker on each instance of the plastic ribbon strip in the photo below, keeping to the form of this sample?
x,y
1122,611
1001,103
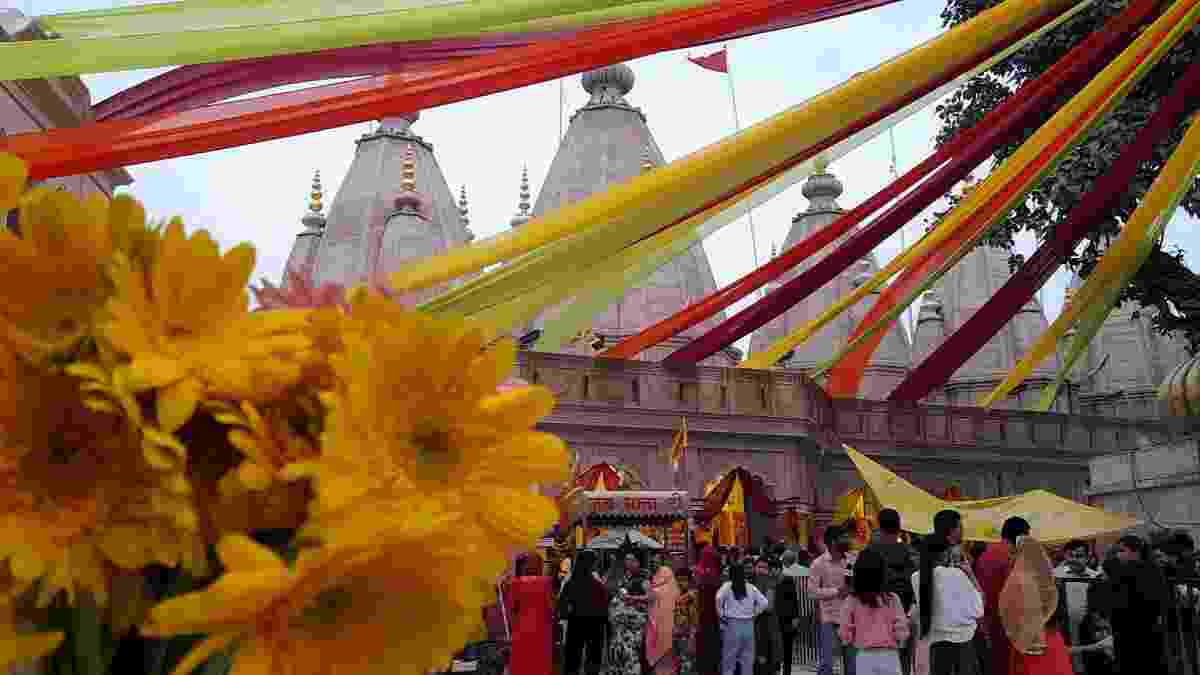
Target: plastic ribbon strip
x,y
953,161
194,85
1003,188
607,280
629,211
177,33
1095,299
106,145
846,376
1096,205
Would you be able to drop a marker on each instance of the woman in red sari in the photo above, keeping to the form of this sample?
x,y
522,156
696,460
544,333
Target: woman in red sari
x,y
532,618
1028,609
708,638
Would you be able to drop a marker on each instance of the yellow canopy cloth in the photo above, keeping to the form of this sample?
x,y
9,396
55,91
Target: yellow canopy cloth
x,y
1053,518
1029,597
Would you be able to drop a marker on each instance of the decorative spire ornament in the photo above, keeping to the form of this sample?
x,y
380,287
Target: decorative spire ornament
x,y
409,201
317,196
523,216
462,205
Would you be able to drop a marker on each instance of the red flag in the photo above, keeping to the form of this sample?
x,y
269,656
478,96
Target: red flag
x,y
717,61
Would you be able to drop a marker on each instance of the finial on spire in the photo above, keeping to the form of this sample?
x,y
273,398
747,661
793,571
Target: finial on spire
x,y
608,85
316,197
647,159
462,205
409,199
408,179
525,195
313,219
821,164
523,205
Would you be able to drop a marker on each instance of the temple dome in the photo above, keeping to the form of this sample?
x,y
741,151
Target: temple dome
x,y
617,78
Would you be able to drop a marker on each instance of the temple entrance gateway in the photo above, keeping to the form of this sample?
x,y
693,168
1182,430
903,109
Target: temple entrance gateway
x,y
737,511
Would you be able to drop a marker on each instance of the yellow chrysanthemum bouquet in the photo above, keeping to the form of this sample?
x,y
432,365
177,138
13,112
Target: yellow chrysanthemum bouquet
x,y
328,490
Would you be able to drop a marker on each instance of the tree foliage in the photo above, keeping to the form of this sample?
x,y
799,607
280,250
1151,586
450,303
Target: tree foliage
x,y
1164,284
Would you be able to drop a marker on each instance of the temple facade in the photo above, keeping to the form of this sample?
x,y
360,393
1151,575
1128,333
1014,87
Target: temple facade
x,y
776,427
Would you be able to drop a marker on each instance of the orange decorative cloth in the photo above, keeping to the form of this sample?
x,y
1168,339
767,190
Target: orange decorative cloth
x,y
1029,598
664,591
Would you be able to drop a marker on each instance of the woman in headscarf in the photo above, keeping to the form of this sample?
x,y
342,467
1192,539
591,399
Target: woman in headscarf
x,y
628,616
708,637
532,617
1029,610
584,604
660,633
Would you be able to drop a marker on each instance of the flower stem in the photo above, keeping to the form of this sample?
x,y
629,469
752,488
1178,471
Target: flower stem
x,y
88,640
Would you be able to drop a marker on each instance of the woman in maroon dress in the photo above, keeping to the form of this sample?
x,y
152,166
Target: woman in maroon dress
x,y
708,638
532,619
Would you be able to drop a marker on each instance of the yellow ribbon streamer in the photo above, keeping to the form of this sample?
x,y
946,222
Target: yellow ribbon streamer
x,y
1116,267
1091,104
603,291
633,210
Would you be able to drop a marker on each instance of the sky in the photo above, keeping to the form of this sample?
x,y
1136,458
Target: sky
x,y
258,193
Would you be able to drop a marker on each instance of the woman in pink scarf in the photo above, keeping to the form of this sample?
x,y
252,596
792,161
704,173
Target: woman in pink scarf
x,y
660,632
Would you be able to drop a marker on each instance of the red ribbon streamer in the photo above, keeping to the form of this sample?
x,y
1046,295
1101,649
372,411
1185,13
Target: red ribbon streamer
x,y
1087,57
107,145
723,298
968,149
1104,196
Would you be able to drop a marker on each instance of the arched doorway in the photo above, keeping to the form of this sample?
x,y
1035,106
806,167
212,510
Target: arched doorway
x,y
607,476
738,509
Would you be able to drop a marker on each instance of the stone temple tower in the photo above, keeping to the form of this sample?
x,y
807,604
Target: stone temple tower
x,y
394,206
608,142
892,359
963,291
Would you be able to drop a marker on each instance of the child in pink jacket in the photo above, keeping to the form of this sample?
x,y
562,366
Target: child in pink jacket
x,y
873,620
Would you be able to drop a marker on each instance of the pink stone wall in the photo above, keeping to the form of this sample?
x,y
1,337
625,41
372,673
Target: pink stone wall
x,y
37,105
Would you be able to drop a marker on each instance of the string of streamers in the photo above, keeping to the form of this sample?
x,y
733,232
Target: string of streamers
x,y
194,32
606,222
1006,186
1094,300
952,162
116,143
846,375
605,280
912,204
1095,206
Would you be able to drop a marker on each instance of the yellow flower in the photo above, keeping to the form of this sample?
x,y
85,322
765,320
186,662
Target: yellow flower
x,y
78,500
337,612
53,276
416,413
183,323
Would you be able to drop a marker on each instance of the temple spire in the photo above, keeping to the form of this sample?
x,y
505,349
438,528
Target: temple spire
x,y
304,250
523,205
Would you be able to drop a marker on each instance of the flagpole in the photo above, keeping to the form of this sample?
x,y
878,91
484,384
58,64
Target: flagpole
x,y
895,168
737,126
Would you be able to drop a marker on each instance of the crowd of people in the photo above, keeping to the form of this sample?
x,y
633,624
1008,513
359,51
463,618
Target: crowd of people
x,y
933,606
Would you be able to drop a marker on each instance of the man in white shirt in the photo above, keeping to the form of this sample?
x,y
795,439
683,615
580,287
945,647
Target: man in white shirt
x,y
1075,567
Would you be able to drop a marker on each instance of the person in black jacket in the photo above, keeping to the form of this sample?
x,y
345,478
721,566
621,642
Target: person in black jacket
x,y
788,604
1138,597
584,604
900,567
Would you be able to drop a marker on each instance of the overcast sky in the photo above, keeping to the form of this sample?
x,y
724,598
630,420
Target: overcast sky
x,y
258,193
